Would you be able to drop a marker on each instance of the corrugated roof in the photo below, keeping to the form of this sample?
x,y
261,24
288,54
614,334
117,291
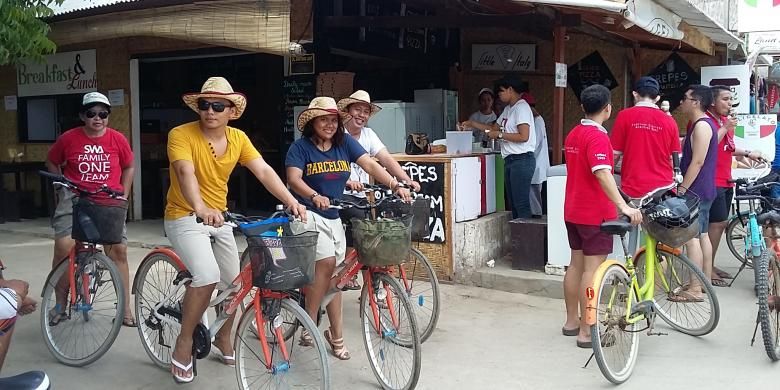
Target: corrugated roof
x,y
68,6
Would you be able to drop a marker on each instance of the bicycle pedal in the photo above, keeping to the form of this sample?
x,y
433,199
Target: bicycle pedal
x,y
657,334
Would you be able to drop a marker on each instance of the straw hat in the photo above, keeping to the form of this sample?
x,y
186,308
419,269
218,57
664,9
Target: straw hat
x,y
319,106
359,96
217,87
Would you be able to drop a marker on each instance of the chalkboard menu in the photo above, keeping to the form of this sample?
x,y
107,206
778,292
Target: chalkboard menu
x,y
296,91
589,71
431,179
674,76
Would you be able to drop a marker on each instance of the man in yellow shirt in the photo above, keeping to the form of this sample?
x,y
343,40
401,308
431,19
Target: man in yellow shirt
x,y
202,156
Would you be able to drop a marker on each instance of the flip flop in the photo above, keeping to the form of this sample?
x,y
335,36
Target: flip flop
x,y
187,368
570,332
584,344
684,297
723,274
228,360
718,282
129,322
55,316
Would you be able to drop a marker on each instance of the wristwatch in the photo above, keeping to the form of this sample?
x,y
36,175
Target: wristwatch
x,y
314,195
500,135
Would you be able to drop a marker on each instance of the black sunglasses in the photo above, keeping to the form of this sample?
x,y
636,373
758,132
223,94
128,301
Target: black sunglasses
x,y
204,105
91,114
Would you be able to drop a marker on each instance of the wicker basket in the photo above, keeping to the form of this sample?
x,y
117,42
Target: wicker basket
x,y
99,220
382,242
282,263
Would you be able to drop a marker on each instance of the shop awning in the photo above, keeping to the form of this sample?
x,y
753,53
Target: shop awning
x,y
606,5
699,19
256,26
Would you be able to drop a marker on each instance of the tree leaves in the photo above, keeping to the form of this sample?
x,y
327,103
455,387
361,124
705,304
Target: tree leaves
x,y
22,32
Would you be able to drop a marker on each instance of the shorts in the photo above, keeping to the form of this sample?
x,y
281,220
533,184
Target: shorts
x,y
721,206
208,262
704,216
9,303
331,241
62,220
589,239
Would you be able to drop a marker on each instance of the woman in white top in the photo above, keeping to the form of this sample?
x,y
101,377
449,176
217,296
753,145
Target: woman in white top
x,y
355,111
542,159
516,128
485,113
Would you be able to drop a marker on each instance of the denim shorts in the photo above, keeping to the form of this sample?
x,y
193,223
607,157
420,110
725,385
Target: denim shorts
x,y
704,215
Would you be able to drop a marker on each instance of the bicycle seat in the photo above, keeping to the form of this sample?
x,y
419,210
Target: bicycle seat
x,y
769,216
616,228
32,380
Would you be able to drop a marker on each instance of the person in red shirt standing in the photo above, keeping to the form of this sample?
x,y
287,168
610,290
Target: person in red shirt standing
x,y
90,156
591,198
720,111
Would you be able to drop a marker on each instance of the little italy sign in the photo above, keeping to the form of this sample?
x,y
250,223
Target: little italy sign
x,y
71,72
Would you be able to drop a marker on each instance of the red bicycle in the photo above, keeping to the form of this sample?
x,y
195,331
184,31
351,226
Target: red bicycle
x,y
280,263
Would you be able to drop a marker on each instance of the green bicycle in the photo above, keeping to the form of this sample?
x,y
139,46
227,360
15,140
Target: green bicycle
x,y
660,280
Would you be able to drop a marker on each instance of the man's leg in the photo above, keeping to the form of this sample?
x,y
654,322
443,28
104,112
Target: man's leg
x,y
706,251
5,342
196,301
591,264
571,289
694,251
62,248
118,253
226,253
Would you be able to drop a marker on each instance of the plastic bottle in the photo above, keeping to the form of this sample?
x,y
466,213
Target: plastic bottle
x,y
88,228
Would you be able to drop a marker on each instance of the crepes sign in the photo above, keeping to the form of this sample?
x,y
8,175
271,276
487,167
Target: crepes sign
x,y
72,72
674,75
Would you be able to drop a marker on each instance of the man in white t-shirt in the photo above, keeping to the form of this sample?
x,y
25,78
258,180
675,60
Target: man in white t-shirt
x,y
515,126
485,114
542,155
356,110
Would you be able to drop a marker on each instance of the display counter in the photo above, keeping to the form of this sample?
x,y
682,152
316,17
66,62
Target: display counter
x,y
465,230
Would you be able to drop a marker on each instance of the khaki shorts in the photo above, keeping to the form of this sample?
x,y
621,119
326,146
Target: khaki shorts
x,y
331,241
208,262
62,220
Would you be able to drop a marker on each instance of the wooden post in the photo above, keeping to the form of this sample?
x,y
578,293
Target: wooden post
x,y
559,35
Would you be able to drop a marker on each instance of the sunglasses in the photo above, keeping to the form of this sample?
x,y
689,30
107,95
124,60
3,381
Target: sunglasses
x,y
204,105
91,114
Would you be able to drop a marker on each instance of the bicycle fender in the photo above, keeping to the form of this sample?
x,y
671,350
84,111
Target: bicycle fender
x,y
592,293
163,251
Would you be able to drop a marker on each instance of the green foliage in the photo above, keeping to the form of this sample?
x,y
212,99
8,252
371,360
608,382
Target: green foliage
x,y
22,32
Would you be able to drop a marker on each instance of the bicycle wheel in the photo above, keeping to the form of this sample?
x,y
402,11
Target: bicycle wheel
x,y
422,287
736,231
79,334
769,303
154,284
308,365
615,341
393,342
673,275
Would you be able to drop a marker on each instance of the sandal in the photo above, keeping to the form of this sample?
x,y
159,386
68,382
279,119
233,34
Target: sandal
x,y
56,316
337,347
228,360
570,332
190,369
129,322
306,339
352,284
722,274
718,282
684,297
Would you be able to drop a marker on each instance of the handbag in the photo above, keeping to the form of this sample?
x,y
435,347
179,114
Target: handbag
x,y
417,143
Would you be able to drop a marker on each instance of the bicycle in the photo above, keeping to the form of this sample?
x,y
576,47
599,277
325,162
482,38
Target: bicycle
x,y
80,319
622,296
268,279
416,273
768,266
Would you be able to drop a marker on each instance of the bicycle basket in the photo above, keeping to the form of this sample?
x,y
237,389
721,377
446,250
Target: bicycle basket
x,y
282,263
673,220
420,208
99,220
382,242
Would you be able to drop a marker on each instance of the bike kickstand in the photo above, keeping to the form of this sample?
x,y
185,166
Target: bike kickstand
x,y
592,354
755,330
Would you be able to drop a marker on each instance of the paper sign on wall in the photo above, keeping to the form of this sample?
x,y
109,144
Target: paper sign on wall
x,y
116,97
561,71
736,77
756,132
10,103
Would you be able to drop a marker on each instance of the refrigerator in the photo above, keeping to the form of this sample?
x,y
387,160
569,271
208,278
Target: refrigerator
x,y
445,103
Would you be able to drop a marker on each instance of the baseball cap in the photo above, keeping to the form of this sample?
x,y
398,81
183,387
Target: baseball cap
x,y
647,82
484,90
95,98
530,99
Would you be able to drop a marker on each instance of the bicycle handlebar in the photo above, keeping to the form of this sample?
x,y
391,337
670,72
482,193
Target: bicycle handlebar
x,y
65,182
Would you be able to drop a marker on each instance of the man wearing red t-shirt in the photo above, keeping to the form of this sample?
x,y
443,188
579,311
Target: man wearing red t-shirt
x,y
90,156
720,111
591,198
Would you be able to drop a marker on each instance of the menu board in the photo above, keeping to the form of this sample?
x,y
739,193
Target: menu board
x,y
296,91
674,75
431,179
589,71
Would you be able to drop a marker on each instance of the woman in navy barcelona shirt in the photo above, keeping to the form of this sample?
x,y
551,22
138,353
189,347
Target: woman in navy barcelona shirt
x,y
318,167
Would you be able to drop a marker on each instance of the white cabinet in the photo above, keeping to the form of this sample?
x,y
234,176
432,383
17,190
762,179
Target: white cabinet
x,y
466,194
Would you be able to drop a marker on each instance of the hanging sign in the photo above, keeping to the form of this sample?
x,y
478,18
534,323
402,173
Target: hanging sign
x,y
589,71
72,72
503,57
756,132
736,77
674,75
